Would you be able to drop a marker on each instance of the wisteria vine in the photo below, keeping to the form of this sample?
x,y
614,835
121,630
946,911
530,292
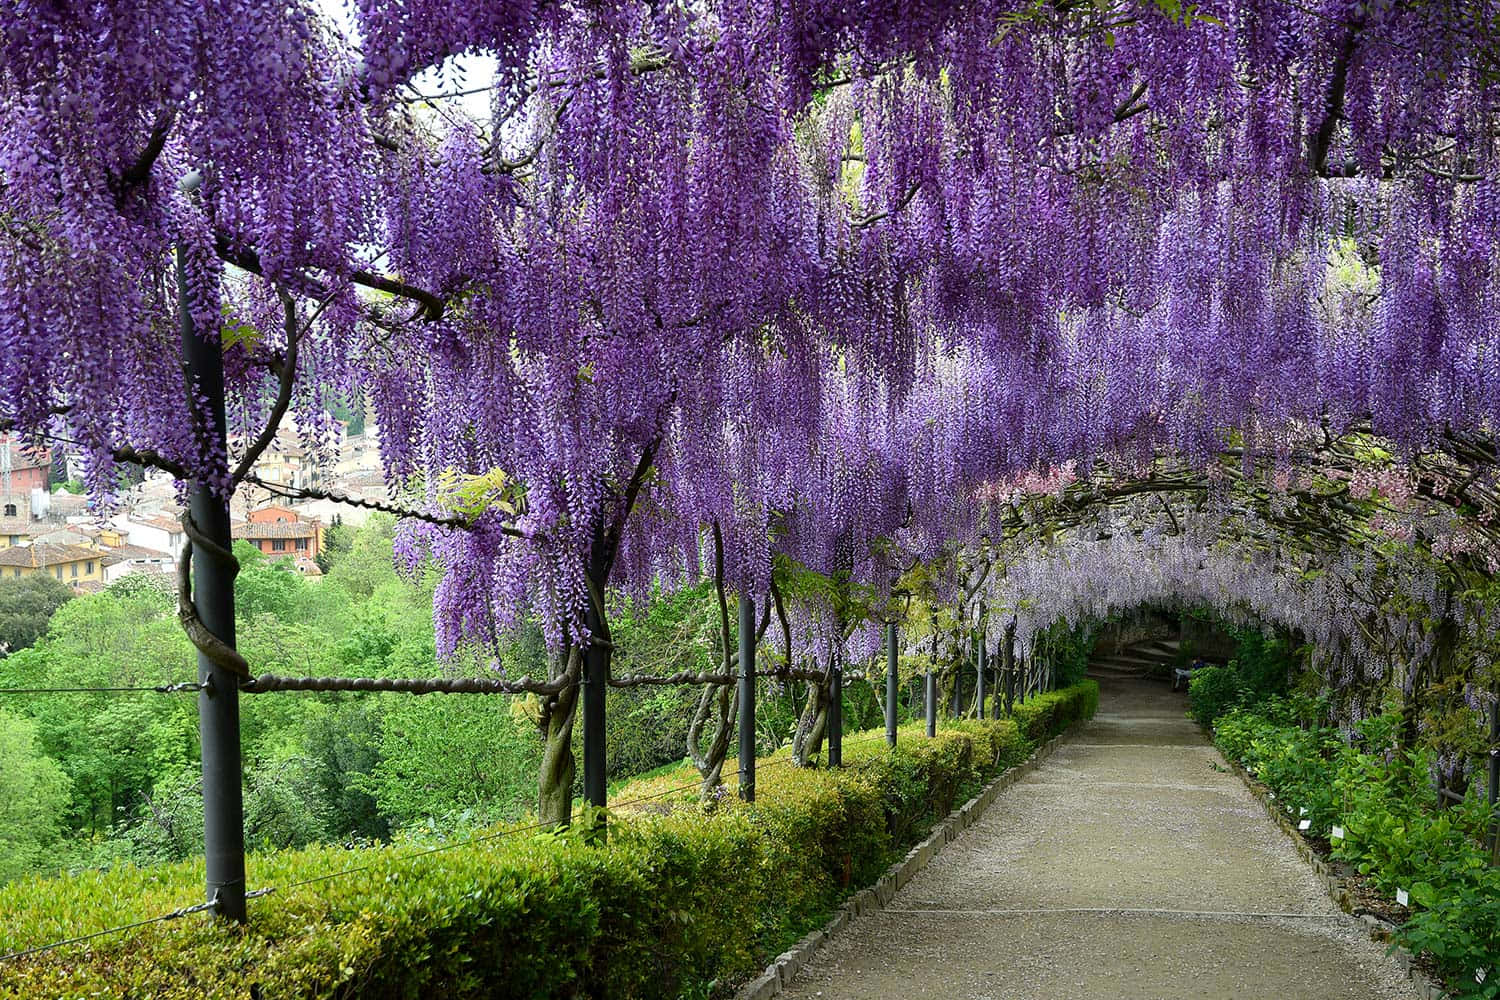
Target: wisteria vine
x,y
834,277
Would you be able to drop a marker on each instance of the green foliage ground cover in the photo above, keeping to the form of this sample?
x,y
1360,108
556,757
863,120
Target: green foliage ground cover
x,y
658,908
1260,669
1393,831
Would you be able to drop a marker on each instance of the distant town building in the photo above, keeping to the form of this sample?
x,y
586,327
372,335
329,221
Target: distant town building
x,y
19,531
21,471
80,567
151,531
288,462
34,504
123,560
69,534
281,532
65,506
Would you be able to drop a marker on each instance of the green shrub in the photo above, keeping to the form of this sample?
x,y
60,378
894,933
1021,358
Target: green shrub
x,y
1392,832
1043,715
1263,663
659,908
1460,928
1212,692
1258,673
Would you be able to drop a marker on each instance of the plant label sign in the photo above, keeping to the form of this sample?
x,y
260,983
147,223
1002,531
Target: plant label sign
x,y
1402,898
1337,834
1305,825
1480,975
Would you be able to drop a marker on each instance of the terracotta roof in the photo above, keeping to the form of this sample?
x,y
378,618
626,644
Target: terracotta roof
x,y
22,457
64,501
133,552
276,529
69,535
161,522
257,515
44,554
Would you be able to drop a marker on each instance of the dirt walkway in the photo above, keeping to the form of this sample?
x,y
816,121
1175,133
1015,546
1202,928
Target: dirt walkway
x,y
1129,865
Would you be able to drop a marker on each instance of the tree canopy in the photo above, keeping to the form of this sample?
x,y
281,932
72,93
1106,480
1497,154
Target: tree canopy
x,y
26,605
851,286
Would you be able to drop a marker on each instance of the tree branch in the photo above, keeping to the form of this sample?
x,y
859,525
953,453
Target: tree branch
x,y
866,221
286,375
433,306
441,520
151,459
1317,151
139,171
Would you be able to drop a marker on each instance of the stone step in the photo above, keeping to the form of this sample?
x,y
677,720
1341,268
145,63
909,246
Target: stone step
x,y
1115,673
1124,659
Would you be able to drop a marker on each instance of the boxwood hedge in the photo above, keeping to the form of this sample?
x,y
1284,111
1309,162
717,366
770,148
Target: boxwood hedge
x,y
658,908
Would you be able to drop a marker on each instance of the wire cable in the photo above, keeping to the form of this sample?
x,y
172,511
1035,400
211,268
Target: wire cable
x,y
182,911
158,689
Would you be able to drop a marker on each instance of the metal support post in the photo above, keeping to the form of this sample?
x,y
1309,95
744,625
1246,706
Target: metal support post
x,y
747,698
595,685
836,716
979,674
1494,789
213,595
890,683
930,702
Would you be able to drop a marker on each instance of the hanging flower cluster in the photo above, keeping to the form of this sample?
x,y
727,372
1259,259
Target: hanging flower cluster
x,y
821,274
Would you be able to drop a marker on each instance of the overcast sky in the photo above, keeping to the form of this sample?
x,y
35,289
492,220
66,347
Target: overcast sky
x,y
455,75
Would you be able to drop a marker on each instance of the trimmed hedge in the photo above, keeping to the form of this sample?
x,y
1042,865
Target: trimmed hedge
x,y
658,909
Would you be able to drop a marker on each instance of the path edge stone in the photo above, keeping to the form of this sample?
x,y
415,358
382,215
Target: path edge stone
x,y
1338,892
780,973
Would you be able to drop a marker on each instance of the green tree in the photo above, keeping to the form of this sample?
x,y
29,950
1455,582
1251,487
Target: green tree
x,y
338,539
445,756
27,604
266,586
112,746
282,805
664,634
33,798
367,563
343,740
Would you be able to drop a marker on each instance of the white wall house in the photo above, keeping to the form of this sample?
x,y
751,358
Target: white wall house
x,y
152,531
124,560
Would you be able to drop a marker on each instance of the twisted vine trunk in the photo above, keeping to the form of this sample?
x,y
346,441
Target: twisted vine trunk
x,y
724,698
558,769
722,701
812,726
1437,662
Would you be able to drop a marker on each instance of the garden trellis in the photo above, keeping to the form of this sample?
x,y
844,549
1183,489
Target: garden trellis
x,y
842,283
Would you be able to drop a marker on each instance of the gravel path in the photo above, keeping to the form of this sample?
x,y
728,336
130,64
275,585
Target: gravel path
x,y
1129,865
